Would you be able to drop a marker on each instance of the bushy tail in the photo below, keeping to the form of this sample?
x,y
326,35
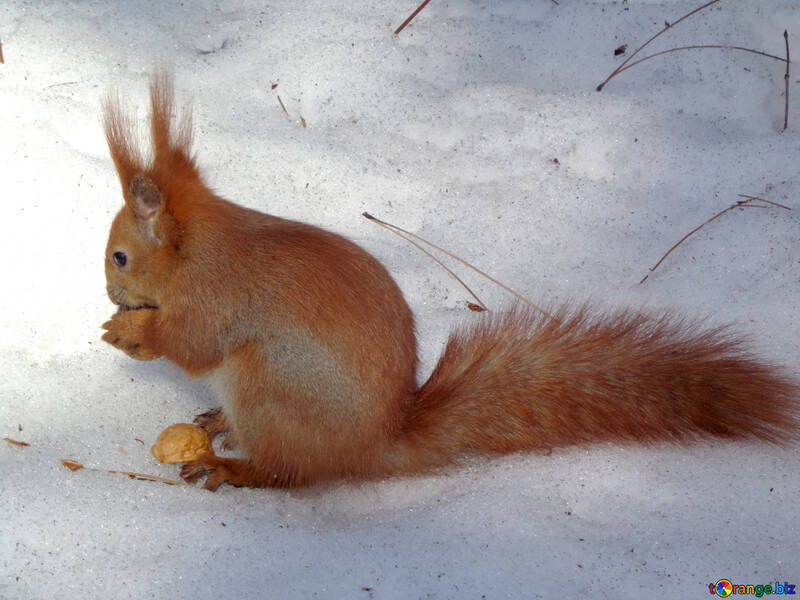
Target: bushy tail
x,y
523,381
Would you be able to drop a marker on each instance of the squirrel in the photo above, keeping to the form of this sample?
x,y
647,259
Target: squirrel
x,y
311,346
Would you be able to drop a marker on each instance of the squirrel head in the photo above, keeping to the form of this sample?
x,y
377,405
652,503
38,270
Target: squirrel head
x,y
144,243
141,248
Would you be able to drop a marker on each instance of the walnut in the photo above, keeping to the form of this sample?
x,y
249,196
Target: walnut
x,y
180,443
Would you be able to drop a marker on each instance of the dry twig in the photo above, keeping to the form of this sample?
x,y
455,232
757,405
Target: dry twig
x,y
411,17
480,306
15,442
74,465
286,112
746,203
786,80
692,47
629,62
621,68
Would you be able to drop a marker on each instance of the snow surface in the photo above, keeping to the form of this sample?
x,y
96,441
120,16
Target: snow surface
x,y
450,130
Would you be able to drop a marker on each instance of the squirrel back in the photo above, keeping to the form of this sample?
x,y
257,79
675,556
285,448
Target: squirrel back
x,y
311,346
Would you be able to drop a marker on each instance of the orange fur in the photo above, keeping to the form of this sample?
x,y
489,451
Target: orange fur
x,y
311,345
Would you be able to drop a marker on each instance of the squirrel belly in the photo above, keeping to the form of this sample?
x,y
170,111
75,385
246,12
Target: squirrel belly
x,y
311,346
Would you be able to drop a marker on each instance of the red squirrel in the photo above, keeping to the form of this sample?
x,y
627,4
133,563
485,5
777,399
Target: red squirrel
x,y
311,345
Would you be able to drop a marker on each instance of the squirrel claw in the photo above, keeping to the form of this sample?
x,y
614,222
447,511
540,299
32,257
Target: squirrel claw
x,y
229,443
132,349
193,470
124,331
207,464
213,421
214,480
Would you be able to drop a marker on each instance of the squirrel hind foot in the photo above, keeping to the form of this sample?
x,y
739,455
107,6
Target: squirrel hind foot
x,y
213,421
235,471
238,472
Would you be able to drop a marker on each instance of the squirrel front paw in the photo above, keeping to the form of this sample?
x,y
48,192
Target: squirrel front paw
x,y
125,331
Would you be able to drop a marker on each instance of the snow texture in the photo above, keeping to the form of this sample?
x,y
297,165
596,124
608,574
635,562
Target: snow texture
x,y
478,127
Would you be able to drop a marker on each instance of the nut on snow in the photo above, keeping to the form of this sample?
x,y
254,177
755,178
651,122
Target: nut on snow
x,y
180,443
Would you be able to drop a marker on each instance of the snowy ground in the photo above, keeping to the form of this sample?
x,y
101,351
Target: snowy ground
x,y
451,130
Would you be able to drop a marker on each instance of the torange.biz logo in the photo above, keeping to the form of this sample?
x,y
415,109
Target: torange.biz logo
x,y
724,588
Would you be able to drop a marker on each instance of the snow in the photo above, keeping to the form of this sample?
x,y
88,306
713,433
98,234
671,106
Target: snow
x,y
450,130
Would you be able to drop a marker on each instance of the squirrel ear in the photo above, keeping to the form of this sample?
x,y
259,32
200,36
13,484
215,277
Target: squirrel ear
x,y
145,201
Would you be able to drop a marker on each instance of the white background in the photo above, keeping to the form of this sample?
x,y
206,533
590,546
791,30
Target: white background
x,y
450,130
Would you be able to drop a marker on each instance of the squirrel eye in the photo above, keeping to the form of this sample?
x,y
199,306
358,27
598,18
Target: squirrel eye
x,y
120,259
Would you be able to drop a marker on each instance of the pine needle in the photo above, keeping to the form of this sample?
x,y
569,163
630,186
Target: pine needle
x,y
400,231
